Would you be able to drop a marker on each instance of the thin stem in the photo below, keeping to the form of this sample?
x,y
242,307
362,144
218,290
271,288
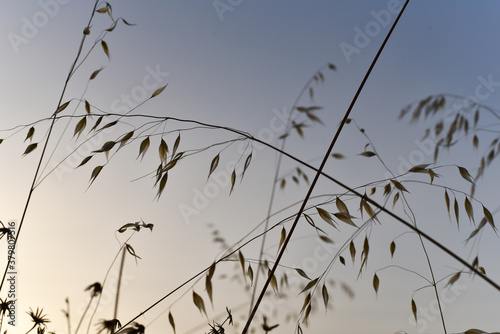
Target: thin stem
x,y
83,315
32,328
434,285
413,218
1,321
316,177
104,282
124,251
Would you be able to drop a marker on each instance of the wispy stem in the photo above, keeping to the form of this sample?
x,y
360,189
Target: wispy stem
x,y
83,315
124,251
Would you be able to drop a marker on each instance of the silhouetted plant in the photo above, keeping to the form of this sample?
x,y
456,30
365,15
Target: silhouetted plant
x,y
39,319
95,291
109,326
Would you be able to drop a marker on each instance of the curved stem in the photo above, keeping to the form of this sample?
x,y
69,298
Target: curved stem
x,y
339,183
32,328
413,218
104,282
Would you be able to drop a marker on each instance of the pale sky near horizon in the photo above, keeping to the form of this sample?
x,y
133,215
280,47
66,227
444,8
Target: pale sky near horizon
x,y
242,64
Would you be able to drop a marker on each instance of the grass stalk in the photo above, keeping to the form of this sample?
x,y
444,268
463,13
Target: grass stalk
x,y
124,251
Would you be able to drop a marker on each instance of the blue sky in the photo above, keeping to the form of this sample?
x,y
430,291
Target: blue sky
x,y
241,67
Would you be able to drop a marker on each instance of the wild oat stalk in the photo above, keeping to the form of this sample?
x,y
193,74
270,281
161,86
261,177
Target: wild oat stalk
x,y
124,251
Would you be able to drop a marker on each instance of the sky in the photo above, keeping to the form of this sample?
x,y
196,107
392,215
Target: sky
x,y
242,64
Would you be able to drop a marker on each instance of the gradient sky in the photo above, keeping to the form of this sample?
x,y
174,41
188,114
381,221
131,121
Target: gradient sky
x,y
241,68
